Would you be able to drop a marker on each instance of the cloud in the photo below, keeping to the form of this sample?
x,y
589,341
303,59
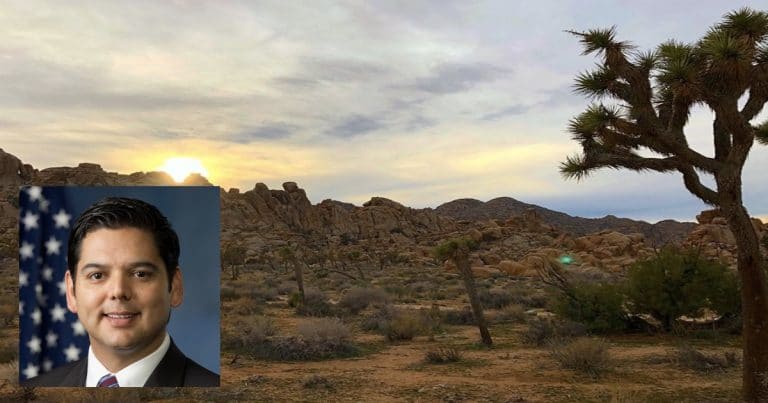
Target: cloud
x,y
267,131
341,70
512,110
456,77
355,125
34,83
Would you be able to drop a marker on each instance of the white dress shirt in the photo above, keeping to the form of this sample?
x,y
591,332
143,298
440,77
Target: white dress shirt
x,y
134,375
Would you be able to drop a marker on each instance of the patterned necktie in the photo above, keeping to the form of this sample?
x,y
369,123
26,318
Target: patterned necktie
x,y
108,381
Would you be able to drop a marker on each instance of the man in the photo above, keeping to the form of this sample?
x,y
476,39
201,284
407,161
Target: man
x,y
123,279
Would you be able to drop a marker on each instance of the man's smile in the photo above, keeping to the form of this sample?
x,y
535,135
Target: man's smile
x,y
121,318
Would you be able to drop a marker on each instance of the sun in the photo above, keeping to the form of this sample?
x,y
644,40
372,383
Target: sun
x,y
180,167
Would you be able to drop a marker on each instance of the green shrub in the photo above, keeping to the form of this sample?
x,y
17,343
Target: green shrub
x,y
442,355
588,356
598,306
357,299
676,283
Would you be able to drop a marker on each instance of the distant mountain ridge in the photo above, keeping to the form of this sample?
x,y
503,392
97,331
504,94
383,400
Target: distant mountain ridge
x,y
502,208
290,210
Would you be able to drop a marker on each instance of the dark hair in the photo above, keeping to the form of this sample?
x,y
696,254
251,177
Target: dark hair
x,y
122,212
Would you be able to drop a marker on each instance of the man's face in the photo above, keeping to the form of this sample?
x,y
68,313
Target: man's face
x,y
120,293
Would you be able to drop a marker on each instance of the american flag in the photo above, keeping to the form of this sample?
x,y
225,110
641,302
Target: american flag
x,y
50,335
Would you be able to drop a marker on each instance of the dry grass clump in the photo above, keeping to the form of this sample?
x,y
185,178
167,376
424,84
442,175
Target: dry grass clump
x,y
688,357
357,299
442,355
584,355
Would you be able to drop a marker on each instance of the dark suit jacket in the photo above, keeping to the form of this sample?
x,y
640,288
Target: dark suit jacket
x,y
175,369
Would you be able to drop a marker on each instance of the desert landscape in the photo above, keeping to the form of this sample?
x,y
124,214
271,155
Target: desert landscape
x,y
337,302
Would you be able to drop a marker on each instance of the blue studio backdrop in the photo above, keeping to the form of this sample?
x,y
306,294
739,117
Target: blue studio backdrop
x,y
50,335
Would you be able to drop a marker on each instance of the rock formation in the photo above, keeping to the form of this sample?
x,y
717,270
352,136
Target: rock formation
x,y
382,230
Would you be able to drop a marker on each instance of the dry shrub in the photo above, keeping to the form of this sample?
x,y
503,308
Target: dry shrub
x,y
511,314
405,325
357,299
228,293
250,332
458,317
442,355
379,319
264,294
317,382
688,357
325,330
584,355
247,306
494,299
9,372
9,310
541,331
315,303
286,287
319,339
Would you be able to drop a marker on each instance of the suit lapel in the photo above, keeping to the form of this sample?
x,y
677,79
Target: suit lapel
x,y
170,370
76,376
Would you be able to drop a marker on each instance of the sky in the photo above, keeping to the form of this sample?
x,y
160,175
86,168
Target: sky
x,y
422,102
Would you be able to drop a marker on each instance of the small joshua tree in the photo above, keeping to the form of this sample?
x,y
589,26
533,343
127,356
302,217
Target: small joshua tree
x,y
289,255
457,251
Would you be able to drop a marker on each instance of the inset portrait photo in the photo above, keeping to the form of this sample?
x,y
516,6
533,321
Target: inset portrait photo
x,y
119,286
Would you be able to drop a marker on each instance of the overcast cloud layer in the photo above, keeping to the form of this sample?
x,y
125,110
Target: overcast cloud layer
x,y
420,102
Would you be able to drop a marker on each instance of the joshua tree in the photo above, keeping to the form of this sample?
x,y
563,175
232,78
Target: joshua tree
x,y
652,94
457,251
288,255
233,255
